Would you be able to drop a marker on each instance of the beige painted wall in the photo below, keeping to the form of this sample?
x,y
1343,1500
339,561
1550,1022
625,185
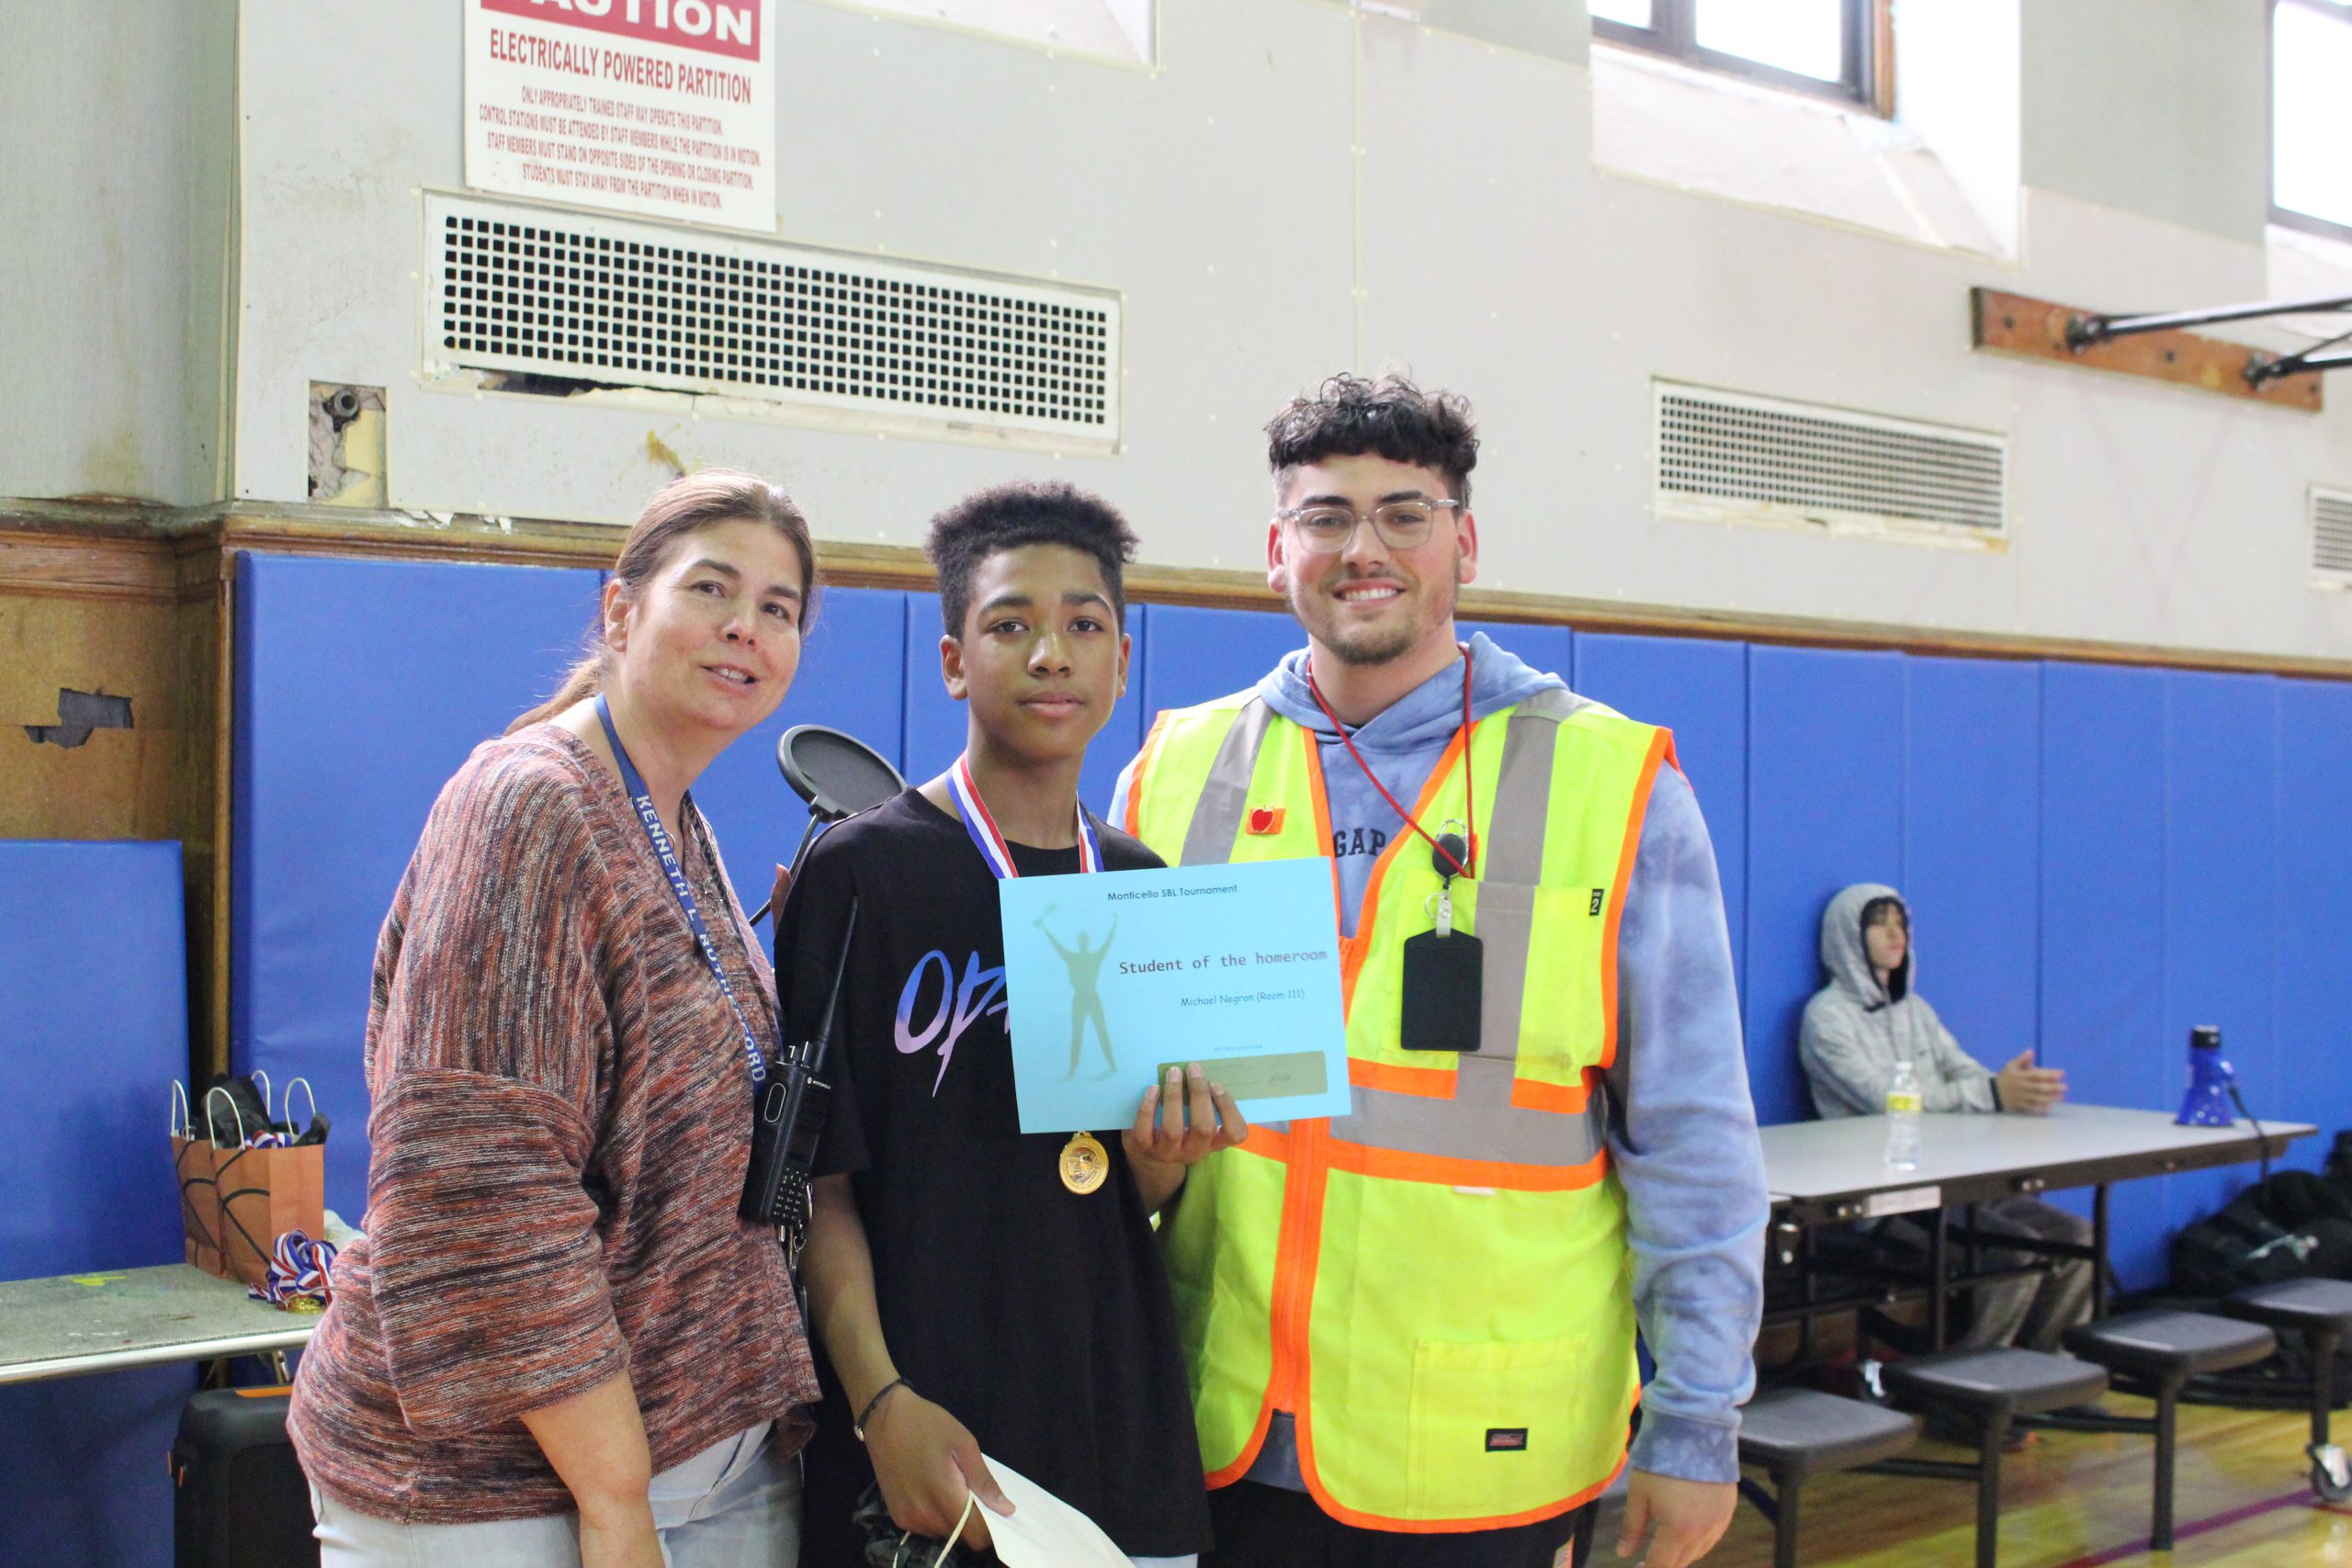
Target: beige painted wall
x,y
1299,187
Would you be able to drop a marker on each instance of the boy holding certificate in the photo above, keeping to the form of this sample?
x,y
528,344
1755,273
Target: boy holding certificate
x,y
976,1289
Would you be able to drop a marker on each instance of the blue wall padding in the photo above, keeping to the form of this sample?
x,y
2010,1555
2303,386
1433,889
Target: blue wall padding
x,y
2098,857
1546,648
1699,690
2102,925
2222,854
2102,878
360,686
2312,1079
935,722
82,1467
1971,846
92,1032
1192,655
934,731
93,1035
1825,810
852,669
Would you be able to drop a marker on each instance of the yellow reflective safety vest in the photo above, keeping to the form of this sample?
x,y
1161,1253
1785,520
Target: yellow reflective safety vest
x,y
1437,1285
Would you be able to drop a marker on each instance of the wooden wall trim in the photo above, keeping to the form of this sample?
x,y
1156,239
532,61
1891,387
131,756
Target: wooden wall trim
x,y
183,554
101,566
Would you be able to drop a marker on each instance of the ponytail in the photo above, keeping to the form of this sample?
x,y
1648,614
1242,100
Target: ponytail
x,y
582,681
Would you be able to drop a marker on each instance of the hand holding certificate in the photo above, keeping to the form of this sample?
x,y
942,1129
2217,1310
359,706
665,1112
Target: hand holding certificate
x,y
1112,979
1043,1532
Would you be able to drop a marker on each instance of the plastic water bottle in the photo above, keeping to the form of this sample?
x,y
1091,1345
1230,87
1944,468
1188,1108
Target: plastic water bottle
x,y
1903,1118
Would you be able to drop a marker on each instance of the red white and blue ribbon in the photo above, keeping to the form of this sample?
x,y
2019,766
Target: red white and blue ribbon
x,y
988,838
298,1271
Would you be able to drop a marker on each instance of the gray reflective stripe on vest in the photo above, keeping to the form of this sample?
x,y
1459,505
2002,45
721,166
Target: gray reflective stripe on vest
x,y
1216,815
1479,1123
1512,859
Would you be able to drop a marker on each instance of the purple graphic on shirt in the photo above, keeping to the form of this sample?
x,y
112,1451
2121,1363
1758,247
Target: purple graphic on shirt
x,y
957,1008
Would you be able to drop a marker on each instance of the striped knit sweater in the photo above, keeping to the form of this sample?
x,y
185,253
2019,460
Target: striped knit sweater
x,y
561,1129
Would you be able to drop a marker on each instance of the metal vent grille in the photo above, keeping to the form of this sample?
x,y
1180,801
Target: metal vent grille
x,y
2331,532
620,304
1727,457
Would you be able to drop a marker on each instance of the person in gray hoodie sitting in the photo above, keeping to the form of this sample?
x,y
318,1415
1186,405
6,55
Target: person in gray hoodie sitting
x,y
1866,1020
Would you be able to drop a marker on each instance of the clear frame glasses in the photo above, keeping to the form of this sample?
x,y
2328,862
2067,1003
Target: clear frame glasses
x,y
1401,525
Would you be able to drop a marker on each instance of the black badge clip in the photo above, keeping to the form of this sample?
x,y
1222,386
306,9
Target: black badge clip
x,y
1444,969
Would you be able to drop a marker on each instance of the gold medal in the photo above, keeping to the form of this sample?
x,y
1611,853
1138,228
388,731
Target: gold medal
x,y
1085,1163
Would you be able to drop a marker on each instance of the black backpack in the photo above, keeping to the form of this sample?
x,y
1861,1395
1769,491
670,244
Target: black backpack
x,y
2235,1248
2291,1225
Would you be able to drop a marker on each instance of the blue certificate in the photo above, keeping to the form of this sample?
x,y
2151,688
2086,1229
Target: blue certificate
x,y
1111,979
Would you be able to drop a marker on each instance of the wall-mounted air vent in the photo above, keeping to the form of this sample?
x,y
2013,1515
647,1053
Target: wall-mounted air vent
x,y
1729,457
2332,534
550,294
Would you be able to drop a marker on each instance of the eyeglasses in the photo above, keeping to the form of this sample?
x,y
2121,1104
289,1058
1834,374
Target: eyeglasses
x,y
1401,525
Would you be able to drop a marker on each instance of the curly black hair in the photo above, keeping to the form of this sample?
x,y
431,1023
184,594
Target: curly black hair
x,y
1348,415
1005,517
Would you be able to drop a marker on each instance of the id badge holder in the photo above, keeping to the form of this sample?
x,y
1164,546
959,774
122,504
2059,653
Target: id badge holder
x,y
1444,973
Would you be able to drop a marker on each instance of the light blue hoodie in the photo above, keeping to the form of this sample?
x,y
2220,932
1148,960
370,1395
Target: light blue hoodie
x,y
1683,1133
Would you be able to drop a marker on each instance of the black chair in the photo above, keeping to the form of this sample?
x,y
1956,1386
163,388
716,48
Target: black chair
x,y
2155,1353
1794,1433
2321,1311
1988,1390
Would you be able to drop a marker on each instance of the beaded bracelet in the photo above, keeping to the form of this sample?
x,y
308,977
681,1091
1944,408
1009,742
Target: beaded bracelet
x,y
866,1415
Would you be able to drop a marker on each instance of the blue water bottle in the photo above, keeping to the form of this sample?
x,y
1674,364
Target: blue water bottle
x,y
2207,1103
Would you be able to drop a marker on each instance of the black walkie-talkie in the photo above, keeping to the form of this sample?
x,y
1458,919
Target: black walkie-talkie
x,y
789,1119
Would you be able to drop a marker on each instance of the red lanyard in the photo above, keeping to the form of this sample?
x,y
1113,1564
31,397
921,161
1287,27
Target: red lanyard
x,y
1469,783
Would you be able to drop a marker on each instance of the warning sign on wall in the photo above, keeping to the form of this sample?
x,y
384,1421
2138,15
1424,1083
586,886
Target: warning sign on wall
x,y
659,107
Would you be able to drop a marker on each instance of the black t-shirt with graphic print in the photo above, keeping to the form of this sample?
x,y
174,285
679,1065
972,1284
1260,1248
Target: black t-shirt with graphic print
x,y
1038,1318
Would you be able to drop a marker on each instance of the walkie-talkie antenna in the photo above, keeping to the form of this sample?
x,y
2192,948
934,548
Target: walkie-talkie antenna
x,y
841,971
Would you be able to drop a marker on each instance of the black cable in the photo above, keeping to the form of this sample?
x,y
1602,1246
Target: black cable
x,y
2263,1145
2295,363
2326,342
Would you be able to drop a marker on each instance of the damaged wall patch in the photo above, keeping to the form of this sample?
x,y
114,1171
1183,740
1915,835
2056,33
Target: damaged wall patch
x,y
78,713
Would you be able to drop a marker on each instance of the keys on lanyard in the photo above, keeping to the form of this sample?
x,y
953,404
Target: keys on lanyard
x,y
641,799
1444,969
1451,851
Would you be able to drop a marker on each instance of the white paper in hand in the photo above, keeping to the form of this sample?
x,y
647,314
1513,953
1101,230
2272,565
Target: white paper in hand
x,y
1043,1532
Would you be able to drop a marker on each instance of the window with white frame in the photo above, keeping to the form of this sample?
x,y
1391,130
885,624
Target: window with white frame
x,y
1831,48
2310,115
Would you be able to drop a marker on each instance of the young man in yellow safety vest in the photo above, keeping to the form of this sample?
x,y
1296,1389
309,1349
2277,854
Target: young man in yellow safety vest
x,y
1411,1329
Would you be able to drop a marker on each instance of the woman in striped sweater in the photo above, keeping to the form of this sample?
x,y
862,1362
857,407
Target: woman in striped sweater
x,y
557,1343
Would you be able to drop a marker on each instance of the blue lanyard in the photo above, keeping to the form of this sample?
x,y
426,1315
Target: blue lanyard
x,y
633,782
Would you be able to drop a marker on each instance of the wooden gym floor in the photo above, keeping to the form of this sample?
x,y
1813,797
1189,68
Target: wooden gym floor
x,y
2079,1500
